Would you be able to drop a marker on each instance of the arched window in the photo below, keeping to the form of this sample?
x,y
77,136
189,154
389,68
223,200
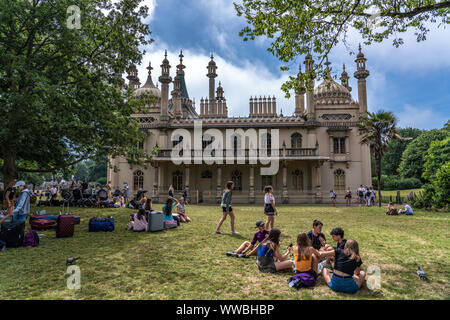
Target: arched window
x,y
178,139
339,180
177,180
297,180
236,177
266,144
296,140
138,180
237,145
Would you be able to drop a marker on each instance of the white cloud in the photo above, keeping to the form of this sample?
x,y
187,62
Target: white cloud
x,y
239,83
420,117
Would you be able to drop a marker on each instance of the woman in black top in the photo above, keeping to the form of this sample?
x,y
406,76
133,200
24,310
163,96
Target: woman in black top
x,y
347,275
9,197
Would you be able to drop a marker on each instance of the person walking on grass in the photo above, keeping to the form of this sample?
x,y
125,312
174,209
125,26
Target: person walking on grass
x,y
333,198
226,208
348,196
269,207
346,276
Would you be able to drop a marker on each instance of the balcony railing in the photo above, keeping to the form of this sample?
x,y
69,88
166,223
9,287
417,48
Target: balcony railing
x,y
247,153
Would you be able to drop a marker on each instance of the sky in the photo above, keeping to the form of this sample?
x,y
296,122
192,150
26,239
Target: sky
x,y
412,81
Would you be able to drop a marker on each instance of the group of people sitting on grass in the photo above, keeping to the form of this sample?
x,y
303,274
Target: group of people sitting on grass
x,y
138,221
311,255
392,210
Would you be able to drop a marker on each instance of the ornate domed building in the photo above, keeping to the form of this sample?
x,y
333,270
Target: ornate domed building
x,y
310,152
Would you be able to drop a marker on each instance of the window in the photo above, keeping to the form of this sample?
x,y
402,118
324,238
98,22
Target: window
x,y
266,144
296,140
138,180
266,181
141,145
339,145
237,145
206,174
339,180
236,177
177,180
176,142
297,179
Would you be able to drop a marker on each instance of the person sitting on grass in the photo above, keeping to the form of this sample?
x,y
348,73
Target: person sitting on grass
x,y
306,258
148,205
248,246
269,250
316,236
337,234
392,210
181,210
167,208
408,210
347,276
140,221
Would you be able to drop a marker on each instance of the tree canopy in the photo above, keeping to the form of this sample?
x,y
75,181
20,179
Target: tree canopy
x,y
62,98
437,155
297,27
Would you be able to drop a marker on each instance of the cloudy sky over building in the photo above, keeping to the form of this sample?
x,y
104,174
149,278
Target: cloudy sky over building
x,y
413,81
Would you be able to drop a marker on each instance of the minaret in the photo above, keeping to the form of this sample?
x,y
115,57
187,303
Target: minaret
x,y
133,77
361,74
344,79
165,79
309,69
211,75
180,74
176,97
300,94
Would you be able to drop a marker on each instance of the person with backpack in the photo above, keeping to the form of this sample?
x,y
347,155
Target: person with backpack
x,y
269,206
347,275
23,202
248,246
140,221
269,250
226,208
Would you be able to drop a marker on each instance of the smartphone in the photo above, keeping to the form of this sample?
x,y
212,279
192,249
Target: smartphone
x,y
290,246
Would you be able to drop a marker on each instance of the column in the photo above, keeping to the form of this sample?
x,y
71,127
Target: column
x,y
155,197
187,171
318,182
284,197
219,184
251,194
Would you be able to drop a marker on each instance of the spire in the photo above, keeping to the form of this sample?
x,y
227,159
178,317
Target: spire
x,y
211,75
328,69
344,78
133,77
180,76
149,83
181,66
361,74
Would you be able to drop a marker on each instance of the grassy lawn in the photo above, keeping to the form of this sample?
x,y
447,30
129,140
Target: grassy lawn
x,y
190,262
403,193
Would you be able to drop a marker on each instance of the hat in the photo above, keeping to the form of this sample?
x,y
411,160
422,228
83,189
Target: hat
x,y
19,183
259,223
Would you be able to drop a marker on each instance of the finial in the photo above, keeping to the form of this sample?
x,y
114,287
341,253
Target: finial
x,y
212,56
343,66
360,47
149,68
220,83
327,63
181,56
165,54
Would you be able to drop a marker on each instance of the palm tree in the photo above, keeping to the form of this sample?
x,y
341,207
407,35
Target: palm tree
x,y
376,130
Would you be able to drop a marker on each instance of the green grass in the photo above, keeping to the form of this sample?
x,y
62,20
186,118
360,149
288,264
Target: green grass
x,y
190,262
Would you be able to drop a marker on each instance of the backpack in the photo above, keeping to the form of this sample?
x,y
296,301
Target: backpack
x,y
31,239
302,280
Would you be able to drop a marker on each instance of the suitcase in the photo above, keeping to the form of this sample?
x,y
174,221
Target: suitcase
x,y
155,221
65,226
97,224
46,217
77,219
42,224
170,224
12,233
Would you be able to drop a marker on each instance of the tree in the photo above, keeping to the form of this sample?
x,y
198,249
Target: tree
x,y
376,130
437,155
393,156
441,183
297,27
411,165
62,98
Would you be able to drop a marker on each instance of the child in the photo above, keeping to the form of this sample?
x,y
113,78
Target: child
x,y
408,210
347,276
181,211
247,246
333,198
269,206
348,196
270,249
392,210
226,208
140,221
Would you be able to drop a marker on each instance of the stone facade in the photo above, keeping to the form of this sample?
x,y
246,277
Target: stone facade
x,y
318,146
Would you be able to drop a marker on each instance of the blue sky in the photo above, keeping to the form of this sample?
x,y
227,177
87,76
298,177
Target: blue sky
x,y
412,81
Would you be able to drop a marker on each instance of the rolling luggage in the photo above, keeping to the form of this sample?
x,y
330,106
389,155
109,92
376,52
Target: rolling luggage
x,y
12,233
65,226
97,224
42,224
155,221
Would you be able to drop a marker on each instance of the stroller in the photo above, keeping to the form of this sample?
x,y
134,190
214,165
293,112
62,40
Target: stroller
x,y
102,195
135,201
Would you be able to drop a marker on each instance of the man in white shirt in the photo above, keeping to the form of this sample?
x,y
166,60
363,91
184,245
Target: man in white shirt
x,y
408,210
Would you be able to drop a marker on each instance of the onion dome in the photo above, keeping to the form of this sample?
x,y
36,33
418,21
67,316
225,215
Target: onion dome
x,y
148,86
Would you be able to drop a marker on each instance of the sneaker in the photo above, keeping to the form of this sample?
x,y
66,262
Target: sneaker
x,y
231,254
218,232
234,232
320,266
243,255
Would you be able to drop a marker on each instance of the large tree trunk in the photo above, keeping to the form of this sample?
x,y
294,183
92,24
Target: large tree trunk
x,y
9,167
